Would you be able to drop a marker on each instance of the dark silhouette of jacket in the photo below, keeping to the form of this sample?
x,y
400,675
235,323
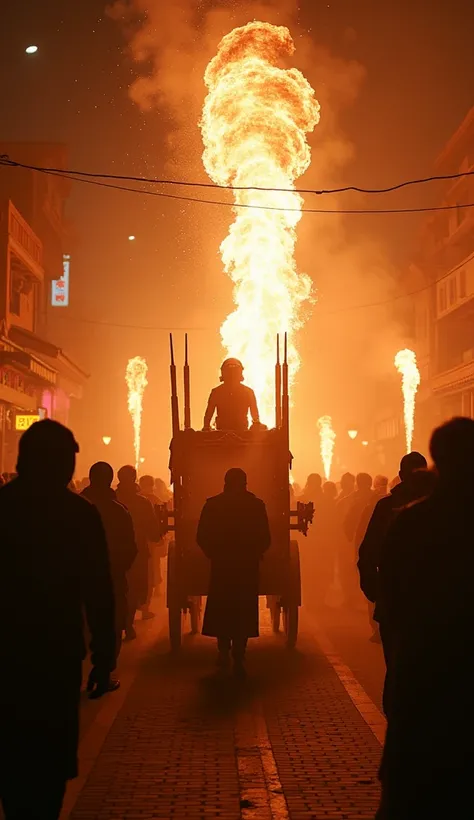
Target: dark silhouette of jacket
x,y
233,403
147,528
425,587
359,501
121,544
370,550
234,534
53,566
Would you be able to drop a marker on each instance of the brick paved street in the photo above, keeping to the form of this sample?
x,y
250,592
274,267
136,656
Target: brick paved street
x,y
175,742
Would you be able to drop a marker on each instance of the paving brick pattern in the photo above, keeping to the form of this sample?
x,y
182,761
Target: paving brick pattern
x,y
182,740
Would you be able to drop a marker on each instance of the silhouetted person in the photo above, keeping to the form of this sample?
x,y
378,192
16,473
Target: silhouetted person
x,y
370,550
232,401
233,533
351,509
147,528
147,486
425,586
313,489
325,538
120,535
53,554
380,491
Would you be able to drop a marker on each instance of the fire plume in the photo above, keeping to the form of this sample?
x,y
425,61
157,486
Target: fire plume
x,y
254,123
136,379
327,437
405,362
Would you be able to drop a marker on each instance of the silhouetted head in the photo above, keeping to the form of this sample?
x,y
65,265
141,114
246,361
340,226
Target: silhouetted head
x,y
232,371
235,480
329,490
47,454
161,490
101,475
147,484
452,450
381,483
127,475
364,481
411,462
314,483
347,483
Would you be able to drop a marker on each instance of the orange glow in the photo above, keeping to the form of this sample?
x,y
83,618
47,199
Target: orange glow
x,y
254,123
327,438
405,362
136,379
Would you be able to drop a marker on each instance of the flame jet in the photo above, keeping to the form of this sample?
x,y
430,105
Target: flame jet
x,y
327,438
136,379
254,123
405,362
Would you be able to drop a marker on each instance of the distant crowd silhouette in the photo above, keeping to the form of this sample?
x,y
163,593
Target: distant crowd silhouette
x,y
76,550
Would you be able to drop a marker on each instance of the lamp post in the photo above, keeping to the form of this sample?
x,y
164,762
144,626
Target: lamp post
x,y
106,440
353,434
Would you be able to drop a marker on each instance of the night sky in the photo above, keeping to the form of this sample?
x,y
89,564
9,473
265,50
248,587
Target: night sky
x,y
416,84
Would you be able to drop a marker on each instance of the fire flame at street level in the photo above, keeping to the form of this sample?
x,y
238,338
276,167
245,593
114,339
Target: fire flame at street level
x,y
136,379
327,438
254,124
405,362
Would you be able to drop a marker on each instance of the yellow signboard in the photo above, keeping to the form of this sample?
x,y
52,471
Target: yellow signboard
x,y
23,422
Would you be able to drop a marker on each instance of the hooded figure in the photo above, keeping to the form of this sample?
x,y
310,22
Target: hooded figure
x,y
147,528
233,533
53,554
232,400
426,577
120,535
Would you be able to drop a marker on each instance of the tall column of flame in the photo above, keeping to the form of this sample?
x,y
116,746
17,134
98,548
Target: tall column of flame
x,y
254,124
405,362
327,438
136,379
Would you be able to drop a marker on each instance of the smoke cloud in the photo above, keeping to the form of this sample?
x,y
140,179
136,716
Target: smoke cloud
x,y
344,351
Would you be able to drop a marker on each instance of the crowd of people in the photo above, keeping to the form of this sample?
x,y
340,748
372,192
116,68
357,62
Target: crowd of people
x,y
87,549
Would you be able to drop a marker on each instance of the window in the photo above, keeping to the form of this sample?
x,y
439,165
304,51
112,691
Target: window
x,y
442,299
462,283
452,290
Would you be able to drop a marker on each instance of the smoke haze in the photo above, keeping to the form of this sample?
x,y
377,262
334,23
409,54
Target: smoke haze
x,y
343,350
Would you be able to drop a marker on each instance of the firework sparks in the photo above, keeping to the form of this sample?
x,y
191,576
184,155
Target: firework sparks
x,y
327,438
254,125
405,362
136,379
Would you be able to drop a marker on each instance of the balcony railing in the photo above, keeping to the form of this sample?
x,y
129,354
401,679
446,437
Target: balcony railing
x,y
24,236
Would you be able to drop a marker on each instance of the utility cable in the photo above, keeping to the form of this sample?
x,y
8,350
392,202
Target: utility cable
x,y
182,198
5,160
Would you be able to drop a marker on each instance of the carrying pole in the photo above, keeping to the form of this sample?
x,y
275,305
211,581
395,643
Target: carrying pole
x,y
286,398
278,386
187,387
174,392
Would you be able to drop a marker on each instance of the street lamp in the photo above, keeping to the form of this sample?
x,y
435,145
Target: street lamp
x,y
352,434
31,49
142,460
365,443
131,238
106,440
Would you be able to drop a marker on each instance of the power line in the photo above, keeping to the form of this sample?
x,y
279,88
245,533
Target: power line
x,y
122,326
182,198
5,160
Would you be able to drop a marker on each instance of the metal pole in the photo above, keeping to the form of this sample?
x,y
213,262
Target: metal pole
x,y
286,398
278,386
174,392
187,387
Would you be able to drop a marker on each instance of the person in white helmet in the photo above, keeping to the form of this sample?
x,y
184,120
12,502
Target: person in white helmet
x,y
231,401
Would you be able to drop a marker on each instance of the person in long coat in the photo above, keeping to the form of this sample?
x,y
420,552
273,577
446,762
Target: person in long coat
x,y
147,528
234,534
53,554
426,578
120,535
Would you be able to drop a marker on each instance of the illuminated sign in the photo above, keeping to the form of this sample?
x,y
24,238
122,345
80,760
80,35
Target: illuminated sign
x,y
60,287
24,422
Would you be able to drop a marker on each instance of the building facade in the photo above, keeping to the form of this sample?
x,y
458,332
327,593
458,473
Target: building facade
x,y
439,317
37,379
